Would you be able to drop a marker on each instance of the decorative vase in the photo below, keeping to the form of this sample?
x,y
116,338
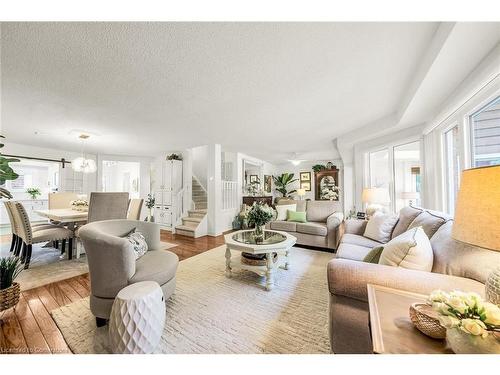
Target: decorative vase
x,y
151,217
493,287
259,232
464,343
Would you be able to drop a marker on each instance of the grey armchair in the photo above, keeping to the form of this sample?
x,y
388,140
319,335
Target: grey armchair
x,y
112,263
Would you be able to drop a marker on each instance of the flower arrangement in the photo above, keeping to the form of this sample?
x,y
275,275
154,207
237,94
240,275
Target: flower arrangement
x,y
259,215
150,204
79,205
466,312
34,192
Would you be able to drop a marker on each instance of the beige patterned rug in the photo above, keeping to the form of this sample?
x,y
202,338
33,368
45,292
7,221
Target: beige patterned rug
x,y
210,313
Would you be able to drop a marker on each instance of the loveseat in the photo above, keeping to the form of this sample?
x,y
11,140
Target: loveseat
x,y
455,266
320,230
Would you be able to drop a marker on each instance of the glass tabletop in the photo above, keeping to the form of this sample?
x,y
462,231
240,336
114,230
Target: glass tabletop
x,y
269,238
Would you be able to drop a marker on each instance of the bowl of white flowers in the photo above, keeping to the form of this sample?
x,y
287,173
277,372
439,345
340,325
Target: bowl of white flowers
x,y
472,324
79,205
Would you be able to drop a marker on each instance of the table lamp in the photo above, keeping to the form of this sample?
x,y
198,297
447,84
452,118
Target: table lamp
x,y
411,196
477,217
301,193
374,199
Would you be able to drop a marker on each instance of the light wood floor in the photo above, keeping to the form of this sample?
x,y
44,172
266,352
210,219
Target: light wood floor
x,y
30,329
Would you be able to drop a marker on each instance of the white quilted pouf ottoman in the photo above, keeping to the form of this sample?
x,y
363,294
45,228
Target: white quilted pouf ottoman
x,y
137,318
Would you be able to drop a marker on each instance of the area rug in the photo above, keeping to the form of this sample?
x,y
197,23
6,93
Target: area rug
x,y
212,314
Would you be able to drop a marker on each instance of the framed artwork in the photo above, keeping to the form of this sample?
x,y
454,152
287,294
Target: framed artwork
x,y
327,182
254,178
305,176
267,183
306,185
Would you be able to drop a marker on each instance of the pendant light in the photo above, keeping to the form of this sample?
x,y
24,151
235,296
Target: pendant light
x,y
81,164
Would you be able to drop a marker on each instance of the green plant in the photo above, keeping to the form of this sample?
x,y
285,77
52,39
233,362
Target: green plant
x,y
6,173
10,267
34,192
150,201
260,214
174,157
282,181
318,168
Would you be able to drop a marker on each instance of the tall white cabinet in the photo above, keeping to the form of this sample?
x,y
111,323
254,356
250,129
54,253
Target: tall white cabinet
x,y
167,184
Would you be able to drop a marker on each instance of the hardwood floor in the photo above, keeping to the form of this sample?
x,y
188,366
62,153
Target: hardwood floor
x,y
30,329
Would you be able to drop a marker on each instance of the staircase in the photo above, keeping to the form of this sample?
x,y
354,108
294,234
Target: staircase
x,y
199,196
195,224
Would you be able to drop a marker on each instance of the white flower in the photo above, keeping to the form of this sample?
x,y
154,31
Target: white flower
x,y
449,321
492,314
474,327
458,303
441,308
438,296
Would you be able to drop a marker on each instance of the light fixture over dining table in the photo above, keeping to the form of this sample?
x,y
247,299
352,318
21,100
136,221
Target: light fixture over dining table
x,y
82,164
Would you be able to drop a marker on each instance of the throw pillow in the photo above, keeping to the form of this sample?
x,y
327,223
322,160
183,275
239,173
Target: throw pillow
x,y
298,217
139,244
380,226
411,250
282,209
374,255
430,223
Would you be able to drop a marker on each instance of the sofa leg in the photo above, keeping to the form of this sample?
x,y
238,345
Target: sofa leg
x,y
100,322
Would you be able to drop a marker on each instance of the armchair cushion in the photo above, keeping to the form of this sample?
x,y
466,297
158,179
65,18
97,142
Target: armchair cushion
x,y
159,266
380,226
287,226
356,239
318,229
349,278
351,251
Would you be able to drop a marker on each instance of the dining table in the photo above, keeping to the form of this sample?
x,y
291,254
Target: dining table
x,y
71,218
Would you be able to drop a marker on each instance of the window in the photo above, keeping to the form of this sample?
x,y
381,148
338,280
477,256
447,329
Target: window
x,y
452,167
485,126
406,175
379,169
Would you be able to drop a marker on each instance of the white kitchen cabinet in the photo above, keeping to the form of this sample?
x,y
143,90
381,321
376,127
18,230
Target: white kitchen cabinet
x,y
167,183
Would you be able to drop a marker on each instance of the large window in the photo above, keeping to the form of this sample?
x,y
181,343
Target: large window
x,y
379,169
452,167
485,126
407,175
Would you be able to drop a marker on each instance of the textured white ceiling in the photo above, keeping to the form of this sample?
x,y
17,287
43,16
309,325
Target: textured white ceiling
x,y
266,89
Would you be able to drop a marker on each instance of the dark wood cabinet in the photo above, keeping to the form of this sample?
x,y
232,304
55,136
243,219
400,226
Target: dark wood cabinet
x,y
249,200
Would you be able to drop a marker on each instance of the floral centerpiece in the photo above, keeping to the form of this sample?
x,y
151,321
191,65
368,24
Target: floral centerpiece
x,y
329,191
79,205
472,325
259,215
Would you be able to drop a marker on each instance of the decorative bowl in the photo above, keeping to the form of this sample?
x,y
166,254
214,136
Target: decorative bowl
x,y
425,319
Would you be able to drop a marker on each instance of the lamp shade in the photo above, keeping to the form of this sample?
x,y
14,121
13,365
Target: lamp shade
x,y
301,192
477,211
375,195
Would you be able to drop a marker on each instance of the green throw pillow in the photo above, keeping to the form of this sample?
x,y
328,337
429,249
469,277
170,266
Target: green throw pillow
x,y
299,217
374,255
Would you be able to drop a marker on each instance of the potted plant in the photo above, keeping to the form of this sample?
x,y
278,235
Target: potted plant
x,y
34,192
282,181
150,204
472,325
6,173
10,267
259,215
174,157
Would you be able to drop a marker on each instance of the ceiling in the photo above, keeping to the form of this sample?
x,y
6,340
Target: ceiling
x,y
265,89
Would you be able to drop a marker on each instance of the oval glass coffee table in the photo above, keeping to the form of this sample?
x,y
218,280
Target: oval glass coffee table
x,y
275,246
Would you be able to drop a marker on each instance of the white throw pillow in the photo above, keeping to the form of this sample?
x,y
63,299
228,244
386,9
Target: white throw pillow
x,y
283,208
138,243
380,226
411,249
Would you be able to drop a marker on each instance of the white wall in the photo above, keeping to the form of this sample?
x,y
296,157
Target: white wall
x,y
200,164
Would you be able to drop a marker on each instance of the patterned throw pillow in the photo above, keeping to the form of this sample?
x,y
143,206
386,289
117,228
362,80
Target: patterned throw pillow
x,y
138,243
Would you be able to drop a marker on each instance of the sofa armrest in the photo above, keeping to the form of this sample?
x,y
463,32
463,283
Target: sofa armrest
x,y
355,226
333,225
349,278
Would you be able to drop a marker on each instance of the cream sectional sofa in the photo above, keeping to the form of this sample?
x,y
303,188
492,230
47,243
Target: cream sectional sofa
x,y
455,266
321,229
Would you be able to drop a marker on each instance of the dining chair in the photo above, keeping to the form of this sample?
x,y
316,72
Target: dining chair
x,y
134,209
107,206
30,236
61,200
